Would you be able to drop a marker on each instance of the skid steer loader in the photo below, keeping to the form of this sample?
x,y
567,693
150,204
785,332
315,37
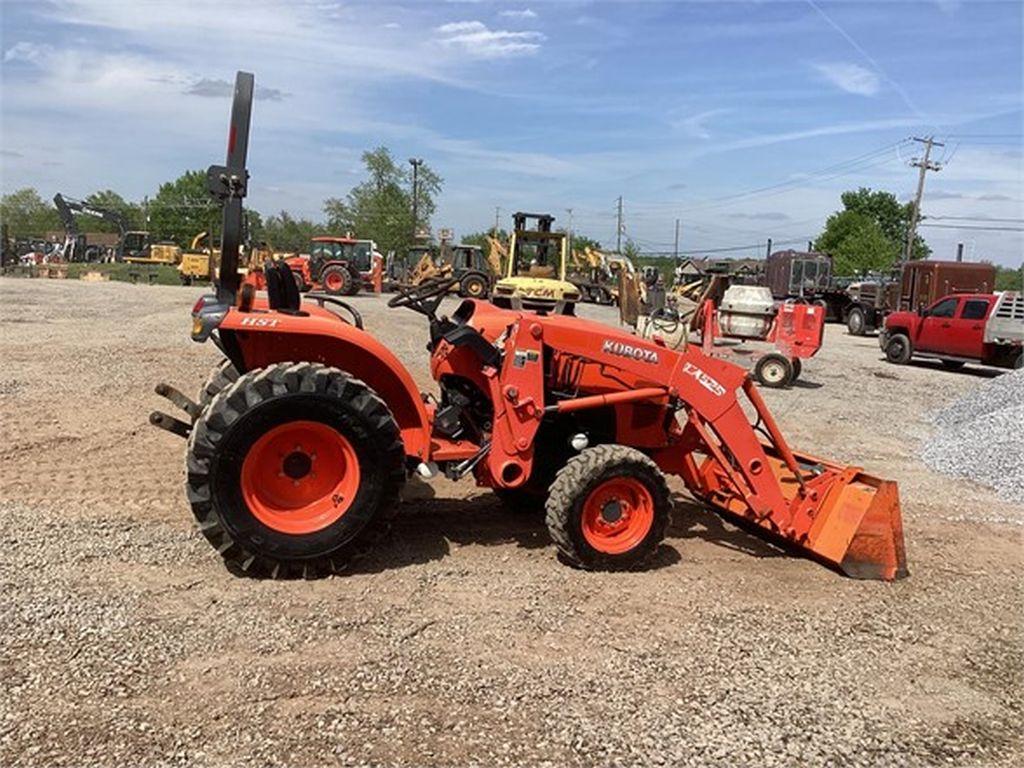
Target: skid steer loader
x,y
304,435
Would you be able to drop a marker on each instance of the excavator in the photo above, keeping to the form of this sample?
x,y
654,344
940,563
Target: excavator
x,y
133,246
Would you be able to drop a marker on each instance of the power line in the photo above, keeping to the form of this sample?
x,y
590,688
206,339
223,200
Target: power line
x,y
973,218
971,226
865,161
730,249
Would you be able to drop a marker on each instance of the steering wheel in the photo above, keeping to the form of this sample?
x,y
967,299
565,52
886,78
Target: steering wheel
x,y
425,297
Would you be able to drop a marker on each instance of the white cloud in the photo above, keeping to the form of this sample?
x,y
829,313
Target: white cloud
x,y
526,13
477,39
696,125
28,52
851,78
392,25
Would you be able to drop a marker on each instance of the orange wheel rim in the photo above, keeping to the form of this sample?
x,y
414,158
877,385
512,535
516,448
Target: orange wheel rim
x,y
617,515
300,477
333,281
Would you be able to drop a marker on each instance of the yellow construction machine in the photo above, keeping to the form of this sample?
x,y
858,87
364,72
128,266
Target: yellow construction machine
x,y
535,266
198,262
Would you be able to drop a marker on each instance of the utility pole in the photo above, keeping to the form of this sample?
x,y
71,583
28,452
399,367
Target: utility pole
x,y
497,218
416,163
925,164
618,228
569,211
675,249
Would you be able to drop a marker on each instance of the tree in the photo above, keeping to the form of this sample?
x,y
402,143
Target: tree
x,y
130,212
1008,279
26,214
869,219
182,208
380,208
480,238
582,242
857,244
284,232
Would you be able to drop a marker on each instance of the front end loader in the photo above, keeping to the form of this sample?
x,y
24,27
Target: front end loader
x,y
302,438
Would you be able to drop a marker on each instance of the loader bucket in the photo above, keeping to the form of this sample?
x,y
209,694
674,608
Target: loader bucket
x,y
846,519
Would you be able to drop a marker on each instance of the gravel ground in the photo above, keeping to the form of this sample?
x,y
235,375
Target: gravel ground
x,y
981,436
463,640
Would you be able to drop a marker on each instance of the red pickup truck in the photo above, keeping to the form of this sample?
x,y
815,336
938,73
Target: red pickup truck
x,y
986,328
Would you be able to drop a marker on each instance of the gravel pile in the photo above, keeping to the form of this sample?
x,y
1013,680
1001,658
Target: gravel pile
x,y
980,436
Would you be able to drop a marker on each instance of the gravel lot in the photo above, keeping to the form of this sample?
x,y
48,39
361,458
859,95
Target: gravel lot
x,y
463,640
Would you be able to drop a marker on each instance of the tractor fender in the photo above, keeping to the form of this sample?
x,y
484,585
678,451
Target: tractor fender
x,y
258,339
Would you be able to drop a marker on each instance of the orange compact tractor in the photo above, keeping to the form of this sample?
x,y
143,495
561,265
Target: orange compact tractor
x,y
305,434
339,266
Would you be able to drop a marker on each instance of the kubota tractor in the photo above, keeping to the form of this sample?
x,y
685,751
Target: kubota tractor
x,y
339,266
304,436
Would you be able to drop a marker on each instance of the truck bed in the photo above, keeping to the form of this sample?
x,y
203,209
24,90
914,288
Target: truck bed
x,y
1006,323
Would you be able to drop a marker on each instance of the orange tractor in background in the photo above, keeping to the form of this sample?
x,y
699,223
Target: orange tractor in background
x,y
303,437
338,266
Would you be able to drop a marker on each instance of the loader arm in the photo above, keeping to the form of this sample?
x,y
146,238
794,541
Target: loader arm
x,y
745,471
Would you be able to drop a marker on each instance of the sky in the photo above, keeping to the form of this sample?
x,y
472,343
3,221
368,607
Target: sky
x,y
744,120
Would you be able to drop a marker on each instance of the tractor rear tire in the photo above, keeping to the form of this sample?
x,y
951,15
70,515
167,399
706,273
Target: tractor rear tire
x,y
473,287
774,371
223,376
253,463
336,281
608,509
299,282
898,349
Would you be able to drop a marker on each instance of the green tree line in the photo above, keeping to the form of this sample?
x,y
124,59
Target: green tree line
x,y
378,208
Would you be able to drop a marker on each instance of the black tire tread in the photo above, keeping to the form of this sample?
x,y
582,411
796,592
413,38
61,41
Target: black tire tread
x,y
903,359
223,376
577,475
248,391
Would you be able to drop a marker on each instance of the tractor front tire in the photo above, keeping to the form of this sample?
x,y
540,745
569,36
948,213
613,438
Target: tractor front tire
x,y
294,470
898,349
608,509
473,287
223,376
774,371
